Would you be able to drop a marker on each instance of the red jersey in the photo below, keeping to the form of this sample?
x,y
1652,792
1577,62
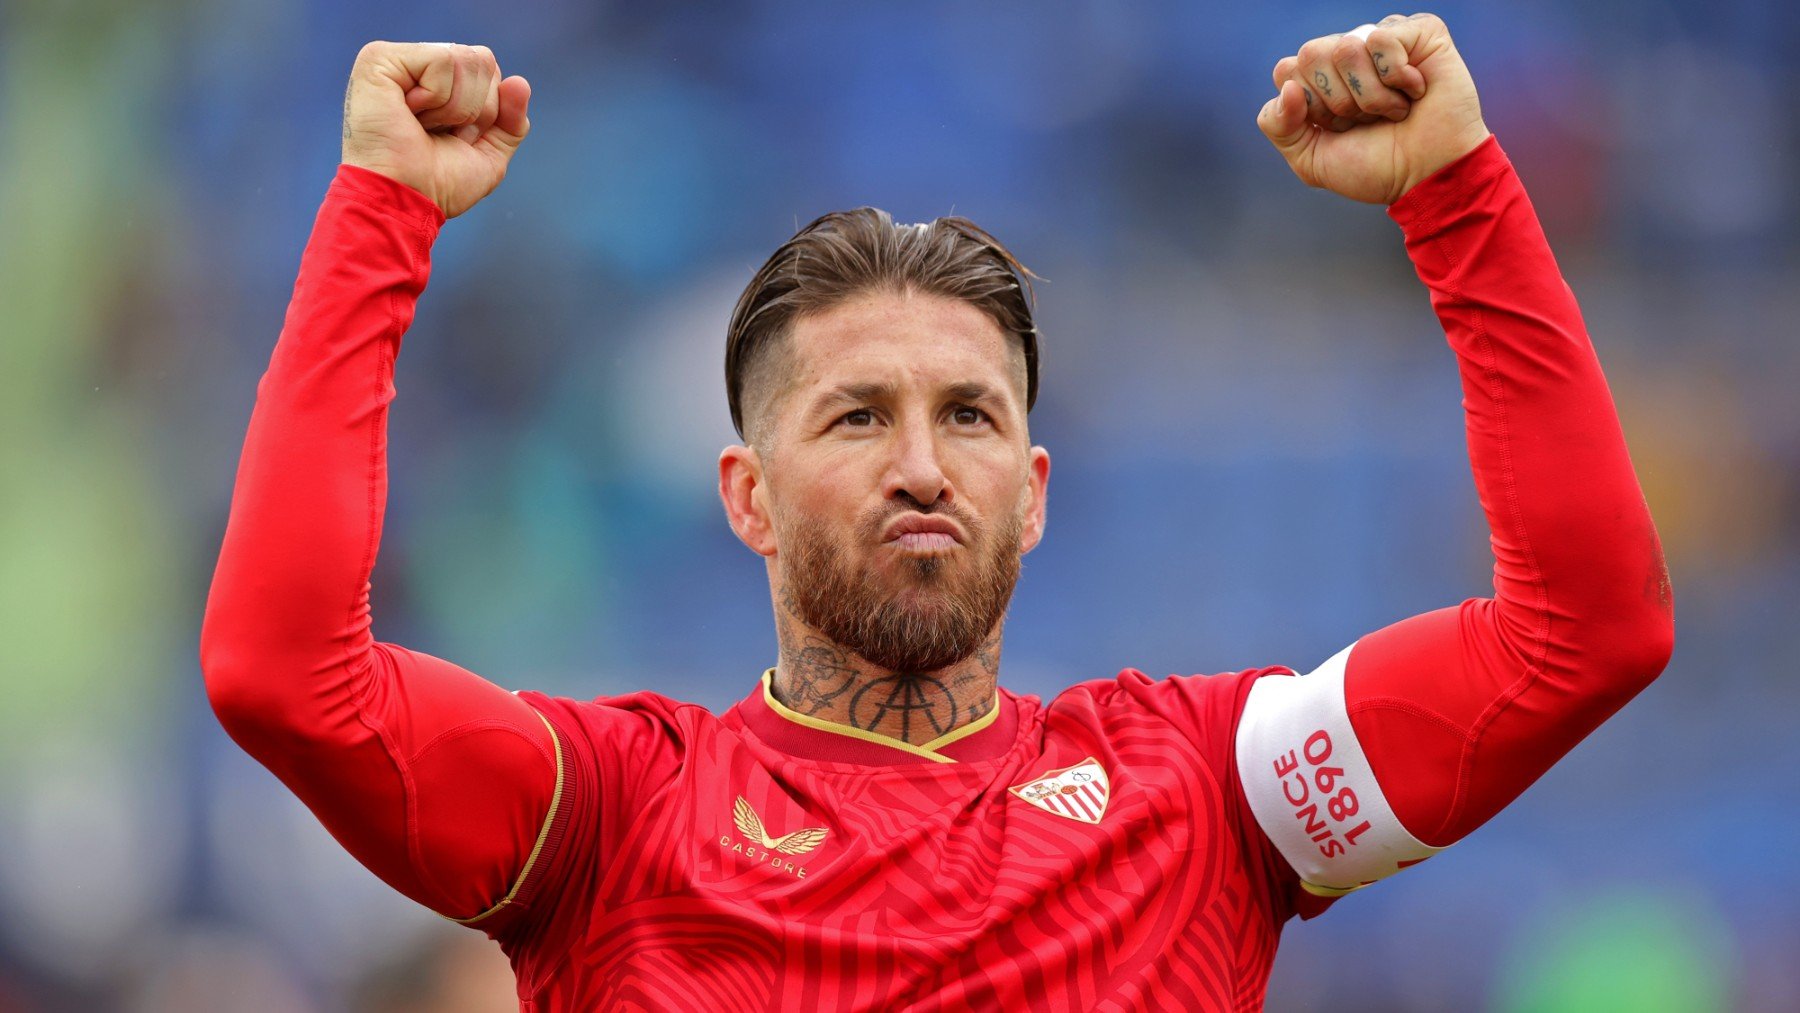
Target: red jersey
x,y
1091,853
1135,843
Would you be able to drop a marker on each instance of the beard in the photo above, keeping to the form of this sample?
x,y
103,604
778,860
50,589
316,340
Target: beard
x,y
941,611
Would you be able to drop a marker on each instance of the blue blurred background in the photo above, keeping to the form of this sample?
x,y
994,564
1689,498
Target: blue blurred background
x,y
1254,421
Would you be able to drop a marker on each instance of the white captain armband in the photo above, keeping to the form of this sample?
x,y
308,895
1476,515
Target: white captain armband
x,y
1311,787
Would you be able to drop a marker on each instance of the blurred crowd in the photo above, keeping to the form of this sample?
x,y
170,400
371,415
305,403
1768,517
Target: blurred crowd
x,y
1253,417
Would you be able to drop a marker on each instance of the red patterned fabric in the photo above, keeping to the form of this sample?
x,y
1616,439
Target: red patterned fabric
x,y
932,886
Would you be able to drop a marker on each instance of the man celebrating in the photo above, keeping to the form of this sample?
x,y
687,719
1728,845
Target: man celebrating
x,y
879,824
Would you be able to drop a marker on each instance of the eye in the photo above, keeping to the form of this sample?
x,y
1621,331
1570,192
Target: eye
x,y
967,415
861,417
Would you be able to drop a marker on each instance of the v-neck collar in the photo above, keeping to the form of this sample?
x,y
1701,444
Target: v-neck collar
x,y
808,737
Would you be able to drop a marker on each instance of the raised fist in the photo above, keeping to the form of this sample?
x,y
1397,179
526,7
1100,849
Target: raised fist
x,y
435,116
1370,113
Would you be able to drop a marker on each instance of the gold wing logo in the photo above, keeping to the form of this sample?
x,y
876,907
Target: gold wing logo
x,y
751,825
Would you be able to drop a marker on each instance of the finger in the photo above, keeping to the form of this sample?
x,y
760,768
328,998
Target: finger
x,y
490,99
1332,104
473,77
1288,69
427,71
513,121
438,88
1391,47
1284,69
1284,121
1351,59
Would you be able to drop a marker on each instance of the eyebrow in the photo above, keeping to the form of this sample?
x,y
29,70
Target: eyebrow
x,y
866,391
972,391
856,393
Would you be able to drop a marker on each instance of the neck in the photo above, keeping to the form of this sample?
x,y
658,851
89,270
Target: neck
x,y
821,679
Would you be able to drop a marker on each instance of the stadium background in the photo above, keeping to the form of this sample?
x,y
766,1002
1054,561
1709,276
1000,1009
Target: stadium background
x,y
1254,421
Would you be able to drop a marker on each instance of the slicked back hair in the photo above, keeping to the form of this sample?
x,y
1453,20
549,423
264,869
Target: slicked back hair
x,y
847,253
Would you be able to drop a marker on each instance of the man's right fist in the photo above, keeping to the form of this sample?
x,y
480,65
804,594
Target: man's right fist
x,y
435,116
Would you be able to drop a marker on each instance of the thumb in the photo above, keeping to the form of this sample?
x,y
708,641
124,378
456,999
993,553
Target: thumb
x,y
1283,121
513,122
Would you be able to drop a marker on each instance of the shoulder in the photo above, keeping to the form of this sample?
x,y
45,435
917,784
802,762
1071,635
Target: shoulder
x,y
638,702
1195,703
627,723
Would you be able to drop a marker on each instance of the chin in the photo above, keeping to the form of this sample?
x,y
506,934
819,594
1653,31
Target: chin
x,y
926,572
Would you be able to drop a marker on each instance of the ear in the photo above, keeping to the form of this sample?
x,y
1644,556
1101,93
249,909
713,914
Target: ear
x,y
1038,489
745,497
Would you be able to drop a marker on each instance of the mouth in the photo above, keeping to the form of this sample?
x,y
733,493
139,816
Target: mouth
x,y
918,533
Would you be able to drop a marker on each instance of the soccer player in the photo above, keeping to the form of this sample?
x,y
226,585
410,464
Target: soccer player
x,y
879,824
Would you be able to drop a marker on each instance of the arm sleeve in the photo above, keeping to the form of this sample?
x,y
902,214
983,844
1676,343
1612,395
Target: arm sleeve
x,y
1421,732
441,783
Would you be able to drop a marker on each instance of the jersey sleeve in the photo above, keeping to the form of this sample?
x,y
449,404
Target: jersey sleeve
x,y
620,751
1208,710
1417,734
440,782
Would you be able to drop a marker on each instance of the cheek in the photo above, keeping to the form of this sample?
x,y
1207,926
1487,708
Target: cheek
x,y
1003,487
829,499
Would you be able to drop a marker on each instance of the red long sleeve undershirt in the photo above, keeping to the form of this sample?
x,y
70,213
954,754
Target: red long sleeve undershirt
x,y
441,783
1461,709
435,779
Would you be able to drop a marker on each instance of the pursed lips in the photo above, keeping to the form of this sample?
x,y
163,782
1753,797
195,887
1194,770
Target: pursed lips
x,y
920,533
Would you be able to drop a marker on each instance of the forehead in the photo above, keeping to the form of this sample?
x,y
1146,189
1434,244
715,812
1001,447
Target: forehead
x,y
900,337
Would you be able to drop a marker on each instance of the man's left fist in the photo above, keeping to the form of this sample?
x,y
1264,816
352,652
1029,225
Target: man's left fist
x,y
1370,113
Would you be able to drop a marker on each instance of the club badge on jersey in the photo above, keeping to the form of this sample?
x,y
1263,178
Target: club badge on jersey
x,y
1078,793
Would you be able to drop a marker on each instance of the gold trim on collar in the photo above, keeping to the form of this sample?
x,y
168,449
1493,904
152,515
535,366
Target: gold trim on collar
x,y
929,750
954,734
543,833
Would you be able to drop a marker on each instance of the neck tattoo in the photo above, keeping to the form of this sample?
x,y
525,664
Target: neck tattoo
x,y
818,678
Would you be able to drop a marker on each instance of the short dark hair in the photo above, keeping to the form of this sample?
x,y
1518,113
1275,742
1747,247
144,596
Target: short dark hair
x,y
845,253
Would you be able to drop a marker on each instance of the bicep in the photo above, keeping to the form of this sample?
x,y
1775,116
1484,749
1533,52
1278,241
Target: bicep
x,y
1460,715
435,779
1432,725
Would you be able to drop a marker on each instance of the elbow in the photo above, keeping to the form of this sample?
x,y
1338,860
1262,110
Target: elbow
x,y
229,673
227,660
1659,645
275,695
1635,648
249,683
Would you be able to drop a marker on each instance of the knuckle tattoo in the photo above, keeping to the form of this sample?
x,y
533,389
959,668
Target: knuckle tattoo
x,y
1323,82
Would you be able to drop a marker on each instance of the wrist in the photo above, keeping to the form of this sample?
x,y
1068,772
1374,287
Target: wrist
x,y
1445,196
387,193
1469,142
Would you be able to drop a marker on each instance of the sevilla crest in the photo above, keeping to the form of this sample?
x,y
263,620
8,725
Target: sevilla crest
x,y
1078,793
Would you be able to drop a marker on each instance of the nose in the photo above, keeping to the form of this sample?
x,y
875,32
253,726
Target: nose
x,y
916,470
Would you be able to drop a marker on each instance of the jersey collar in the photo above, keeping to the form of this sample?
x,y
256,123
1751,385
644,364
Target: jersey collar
x,y
808,737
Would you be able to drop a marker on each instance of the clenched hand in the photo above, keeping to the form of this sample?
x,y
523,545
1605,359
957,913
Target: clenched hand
x,y
1370,113
435,116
